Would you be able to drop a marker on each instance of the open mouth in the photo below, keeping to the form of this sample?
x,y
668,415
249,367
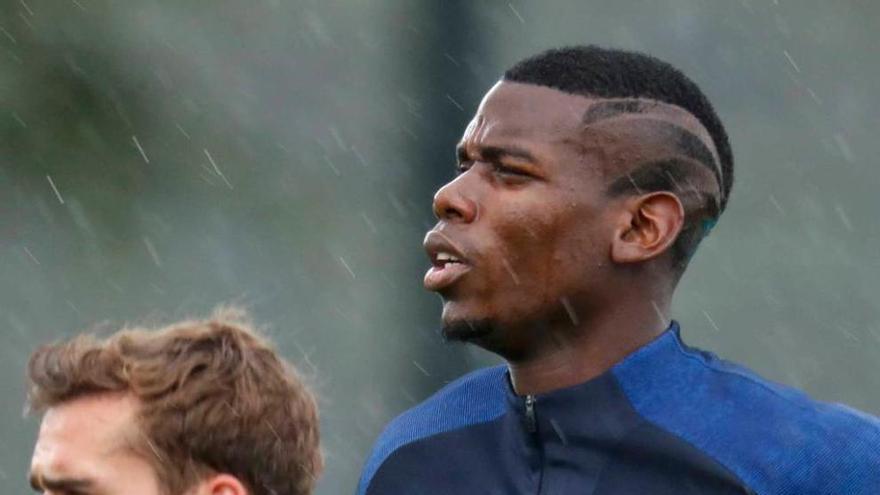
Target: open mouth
x,y
442,274
447,264
442,259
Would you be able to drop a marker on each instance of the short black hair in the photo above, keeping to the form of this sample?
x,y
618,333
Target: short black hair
x,y
595,71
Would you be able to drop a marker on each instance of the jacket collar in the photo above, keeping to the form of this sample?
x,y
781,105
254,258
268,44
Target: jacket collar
x,y
598,399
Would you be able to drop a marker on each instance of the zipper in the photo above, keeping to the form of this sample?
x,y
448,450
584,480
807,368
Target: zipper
x,y
531,424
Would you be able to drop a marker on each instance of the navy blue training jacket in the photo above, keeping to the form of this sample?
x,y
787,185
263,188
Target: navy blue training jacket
x,y
668,419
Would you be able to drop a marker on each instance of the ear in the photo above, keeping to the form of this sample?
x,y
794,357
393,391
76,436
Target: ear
x,y
648,225
221,484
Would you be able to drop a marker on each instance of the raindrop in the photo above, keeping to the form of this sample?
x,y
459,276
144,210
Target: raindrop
x,y
422,369
348,268
843,217
513,9
29,11
140,148
570,310
711,321
512,273
152,250
6,33
217,169
31,255
791,61
57,194
457,104
844,148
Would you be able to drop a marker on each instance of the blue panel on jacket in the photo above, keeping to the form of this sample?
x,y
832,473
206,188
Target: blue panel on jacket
x,y
475,398
666,420
774,438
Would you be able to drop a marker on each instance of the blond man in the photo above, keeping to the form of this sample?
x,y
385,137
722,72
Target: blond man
x,y
196,408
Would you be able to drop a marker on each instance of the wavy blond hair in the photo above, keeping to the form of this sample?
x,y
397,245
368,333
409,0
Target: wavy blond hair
x,y
214,397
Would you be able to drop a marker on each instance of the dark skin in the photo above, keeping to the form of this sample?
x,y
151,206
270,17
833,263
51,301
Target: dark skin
x,y
553,273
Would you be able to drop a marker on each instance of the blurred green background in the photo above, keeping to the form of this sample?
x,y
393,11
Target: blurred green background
x,y
160,157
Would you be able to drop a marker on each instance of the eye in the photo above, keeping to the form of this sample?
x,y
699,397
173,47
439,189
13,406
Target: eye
x,y
508,171
462,167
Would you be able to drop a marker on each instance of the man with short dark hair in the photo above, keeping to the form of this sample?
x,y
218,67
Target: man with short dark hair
x,y
585,182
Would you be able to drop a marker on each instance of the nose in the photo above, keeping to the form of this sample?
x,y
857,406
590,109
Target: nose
x,y
453,204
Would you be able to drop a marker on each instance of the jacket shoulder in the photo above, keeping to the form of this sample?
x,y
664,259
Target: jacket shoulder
x,y
775,438
477,397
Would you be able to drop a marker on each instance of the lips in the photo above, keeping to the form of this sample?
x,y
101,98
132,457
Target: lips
x,y
448,262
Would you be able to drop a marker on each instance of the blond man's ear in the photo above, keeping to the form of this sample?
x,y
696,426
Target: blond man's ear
x,y
220,484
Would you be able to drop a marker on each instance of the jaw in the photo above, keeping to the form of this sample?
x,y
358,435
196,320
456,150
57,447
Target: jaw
x,y
474,304
464,321
455,314
509,336
520,331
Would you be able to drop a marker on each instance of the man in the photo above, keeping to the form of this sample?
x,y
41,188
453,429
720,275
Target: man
x,y
585,182
197,408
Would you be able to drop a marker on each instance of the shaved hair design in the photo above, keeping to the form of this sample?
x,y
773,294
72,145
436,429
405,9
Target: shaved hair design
x,y
654,102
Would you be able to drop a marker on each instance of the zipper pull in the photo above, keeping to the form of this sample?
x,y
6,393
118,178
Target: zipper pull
x,y
531,423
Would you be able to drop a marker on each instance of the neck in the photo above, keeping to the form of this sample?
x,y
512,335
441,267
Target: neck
x,y
571,356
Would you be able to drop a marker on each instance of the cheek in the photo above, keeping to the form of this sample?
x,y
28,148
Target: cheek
x,y
526,234
132,475
541,237
521,255
582,245
555,253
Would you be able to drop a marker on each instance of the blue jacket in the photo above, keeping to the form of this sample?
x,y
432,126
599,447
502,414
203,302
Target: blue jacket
x,y
668,419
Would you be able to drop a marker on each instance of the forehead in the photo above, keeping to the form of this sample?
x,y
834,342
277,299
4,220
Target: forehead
x,y
614,133
519,110
76,435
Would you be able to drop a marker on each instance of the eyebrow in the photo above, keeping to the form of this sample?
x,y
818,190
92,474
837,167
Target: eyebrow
x,y
39,483
494,153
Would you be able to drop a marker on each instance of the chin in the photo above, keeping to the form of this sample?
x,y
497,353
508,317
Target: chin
x,y
508,337
473,331
464,326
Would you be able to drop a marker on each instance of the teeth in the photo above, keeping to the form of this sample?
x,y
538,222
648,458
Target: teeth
x,y
446,257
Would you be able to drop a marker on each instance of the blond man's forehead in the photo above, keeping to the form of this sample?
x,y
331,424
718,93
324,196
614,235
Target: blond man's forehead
x,y
76,435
